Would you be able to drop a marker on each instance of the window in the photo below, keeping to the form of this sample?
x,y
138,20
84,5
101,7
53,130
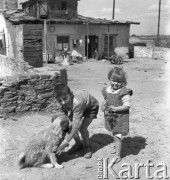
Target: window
x,y
63,5
62,41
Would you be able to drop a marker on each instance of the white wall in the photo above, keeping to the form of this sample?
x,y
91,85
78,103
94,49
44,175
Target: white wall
x,y
3,27
80,31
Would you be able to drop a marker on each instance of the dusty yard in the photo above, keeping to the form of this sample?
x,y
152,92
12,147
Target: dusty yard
x,y
148,138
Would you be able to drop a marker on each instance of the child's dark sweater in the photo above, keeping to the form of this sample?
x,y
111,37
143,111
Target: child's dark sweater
x,y
84,105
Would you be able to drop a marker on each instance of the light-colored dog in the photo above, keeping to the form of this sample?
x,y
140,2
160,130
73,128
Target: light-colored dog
x,y
43,145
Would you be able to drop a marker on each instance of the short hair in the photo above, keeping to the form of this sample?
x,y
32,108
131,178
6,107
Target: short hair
x,y
119,75
61,89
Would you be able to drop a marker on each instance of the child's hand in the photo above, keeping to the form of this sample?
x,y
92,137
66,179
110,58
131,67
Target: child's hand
x,y
112,108
62,147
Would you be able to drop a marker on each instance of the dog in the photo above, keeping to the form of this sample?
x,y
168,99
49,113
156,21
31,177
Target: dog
x,y
43,145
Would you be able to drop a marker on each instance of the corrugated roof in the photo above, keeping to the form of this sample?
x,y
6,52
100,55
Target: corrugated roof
x,y
18,16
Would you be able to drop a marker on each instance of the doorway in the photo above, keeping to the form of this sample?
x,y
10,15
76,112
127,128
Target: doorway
x,y
92,46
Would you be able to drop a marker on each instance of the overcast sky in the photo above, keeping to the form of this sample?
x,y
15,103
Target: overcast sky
x,y
143,11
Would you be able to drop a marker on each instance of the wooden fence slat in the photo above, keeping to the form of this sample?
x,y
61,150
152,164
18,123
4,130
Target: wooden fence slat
x,y
32,37
29,49
32,54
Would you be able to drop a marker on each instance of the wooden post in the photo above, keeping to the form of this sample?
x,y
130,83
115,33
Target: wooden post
x,y
45,40
158,23
87,53
108,55
113,15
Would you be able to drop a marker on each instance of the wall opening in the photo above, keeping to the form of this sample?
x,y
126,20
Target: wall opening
x,y
92,46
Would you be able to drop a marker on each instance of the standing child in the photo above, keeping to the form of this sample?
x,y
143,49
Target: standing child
x,y
116,106
82,108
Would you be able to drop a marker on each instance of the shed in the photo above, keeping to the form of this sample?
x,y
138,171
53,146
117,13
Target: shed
x,y
48,26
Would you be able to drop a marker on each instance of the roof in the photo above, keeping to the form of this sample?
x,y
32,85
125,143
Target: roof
x,y
105,21
18,16
26,1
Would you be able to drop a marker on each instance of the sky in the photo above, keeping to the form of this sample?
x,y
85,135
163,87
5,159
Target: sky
x,y
143,11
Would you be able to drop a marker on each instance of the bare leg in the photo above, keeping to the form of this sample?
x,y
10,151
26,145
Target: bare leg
x,y
77,138
85,136
84,131
118,147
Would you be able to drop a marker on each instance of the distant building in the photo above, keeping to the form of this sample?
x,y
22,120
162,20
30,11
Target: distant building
x,y
48,26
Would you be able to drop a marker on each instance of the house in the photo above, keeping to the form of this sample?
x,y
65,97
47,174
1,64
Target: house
x,y
49,26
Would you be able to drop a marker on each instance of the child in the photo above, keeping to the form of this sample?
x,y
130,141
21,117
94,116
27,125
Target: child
x,y
82,109
116,106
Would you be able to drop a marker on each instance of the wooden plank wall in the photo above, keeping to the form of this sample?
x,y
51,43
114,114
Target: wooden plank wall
x,y
33,46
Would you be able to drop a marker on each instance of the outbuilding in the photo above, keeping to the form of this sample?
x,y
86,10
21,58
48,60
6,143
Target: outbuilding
x,y
47,27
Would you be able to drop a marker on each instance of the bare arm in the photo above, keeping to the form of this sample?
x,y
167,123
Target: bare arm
x,y
104,105
77,120
119,108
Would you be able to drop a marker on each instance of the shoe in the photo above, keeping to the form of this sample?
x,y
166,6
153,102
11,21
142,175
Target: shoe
x,y
88,153
75,147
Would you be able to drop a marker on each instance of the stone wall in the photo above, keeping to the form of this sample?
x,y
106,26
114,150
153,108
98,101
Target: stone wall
x,y
33,92
152,52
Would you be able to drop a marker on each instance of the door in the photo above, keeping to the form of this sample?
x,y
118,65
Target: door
x,y
109,44
92,46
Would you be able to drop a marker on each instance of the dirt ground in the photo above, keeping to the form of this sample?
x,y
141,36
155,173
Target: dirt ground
x,y
148,138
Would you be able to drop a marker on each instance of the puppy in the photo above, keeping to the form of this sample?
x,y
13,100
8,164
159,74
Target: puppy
x,y
43,145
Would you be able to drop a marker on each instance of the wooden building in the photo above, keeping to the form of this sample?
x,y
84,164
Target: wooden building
x,y
47,26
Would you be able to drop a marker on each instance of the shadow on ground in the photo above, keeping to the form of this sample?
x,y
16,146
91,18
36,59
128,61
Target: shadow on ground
x,y
98,141
132,146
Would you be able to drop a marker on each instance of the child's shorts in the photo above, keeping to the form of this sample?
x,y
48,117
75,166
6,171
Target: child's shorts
x,y
92,112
